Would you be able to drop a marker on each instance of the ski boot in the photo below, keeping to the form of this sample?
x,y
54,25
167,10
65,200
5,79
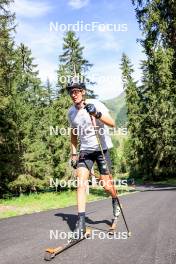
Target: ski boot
x,y
116,213
115,207
80,229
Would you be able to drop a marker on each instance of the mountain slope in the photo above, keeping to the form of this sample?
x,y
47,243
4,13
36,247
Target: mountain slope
x,y
117,107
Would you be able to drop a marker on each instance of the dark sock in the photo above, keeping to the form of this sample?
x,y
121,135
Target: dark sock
x,y
114,199
81,214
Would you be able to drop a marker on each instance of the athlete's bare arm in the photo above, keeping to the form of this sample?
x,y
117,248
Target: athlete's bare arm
x,y
107,120
104,118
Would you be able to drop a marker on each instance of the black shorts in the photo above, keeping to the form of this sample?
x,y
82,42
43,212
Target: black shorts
x,y
88,157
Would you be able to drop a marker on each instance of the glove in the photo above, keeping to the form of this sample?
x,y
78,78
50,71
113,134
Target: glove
x,y
91,109
74,163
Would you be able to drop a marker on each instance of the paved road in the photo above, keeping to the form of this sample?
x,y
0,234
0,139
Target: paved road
x,y
151,215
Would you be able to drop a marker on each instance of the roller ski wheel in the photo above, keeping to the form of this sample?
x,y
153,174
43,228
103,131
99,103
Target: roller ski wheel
x,y
50,253
113,227
49,256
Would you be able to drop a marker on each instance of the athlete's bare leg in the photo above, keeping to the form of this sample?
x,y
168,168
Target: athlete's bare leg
x,y
82,177
107,183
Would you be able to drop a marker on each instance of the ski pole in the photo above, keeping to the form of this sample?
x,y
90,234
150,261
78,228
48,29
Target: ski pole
x,y
104,158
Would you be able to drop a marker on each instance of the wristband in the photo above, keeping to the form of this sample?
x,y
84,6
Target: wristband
x,y
98,115
75,154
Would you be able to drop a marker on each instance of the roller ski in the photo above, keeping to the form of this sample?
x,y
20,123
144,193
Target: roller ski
x,y
80,233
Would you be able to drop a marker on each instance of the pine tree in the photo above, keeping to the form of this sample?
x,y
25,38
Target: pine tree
x,y
7,28
72,63
159,114
50,92
26,73
133,105
32,103
157,22
9,147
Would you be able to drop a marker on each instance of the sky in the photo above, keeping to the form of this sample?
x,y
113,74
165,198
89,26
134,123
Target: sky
x,y
42,24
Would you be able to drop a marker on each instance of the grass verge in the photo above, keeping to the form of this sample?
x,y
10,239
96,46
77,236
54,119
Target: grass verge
x,y
167,182
27,204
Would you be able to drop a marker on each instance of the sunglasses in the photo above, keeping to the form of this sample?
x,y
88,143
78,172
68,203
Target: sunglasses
x,y
75,91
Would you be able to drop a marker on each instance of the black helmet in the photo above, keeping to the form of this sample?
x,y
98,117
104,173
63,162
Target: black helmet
x,y
77,85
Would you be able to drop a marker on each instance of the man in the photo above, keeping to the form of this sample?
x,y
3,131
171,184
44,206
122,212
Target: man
x,y
81,115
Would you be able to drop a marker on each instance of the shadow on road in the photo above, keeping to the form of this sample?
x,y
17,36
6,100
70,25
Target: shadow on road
x,y
72,218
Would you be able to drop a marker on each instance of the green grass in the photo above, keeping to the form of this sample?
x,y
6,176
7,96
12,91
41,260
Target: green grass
x,y
27,204
171,182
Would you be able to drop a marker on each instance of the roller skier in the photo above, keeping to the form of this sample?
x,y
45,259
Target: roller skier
x,y
82,116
